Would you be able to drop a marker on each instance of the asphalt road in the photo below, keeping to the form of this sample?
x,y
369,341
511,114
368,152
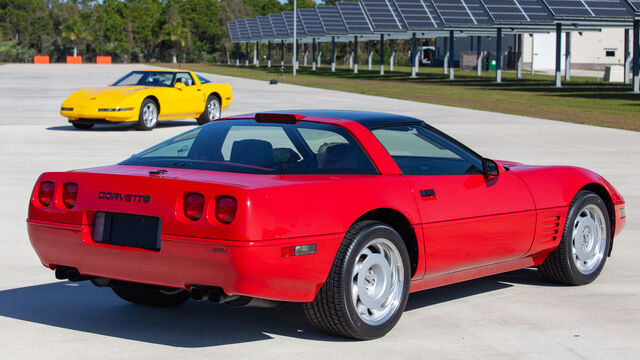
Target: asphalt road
x,y
513,315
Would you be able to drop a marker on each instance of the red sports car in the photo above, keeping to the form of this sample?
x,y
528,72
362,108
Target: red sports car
x,y
344,211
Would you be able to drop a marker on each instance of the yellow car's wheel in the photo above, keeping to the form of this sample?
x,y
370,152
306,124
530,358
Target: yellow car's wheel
x,y
212,110
148,117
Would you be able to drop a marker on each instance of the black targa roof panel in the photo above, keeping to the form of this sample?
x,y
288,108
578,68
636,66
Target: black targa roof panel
x,y
311,22
462,12
354,17
331,20
382,15
517,10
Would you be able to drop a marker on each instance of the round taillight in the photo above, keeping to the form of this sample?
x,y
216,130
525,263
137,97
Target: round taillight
x,y
69,194
226,207
193,206
45,192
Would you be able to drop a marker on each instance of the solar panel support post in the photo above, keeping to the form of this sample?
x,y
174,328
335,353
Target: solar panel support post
x,y
370,60
319,57
313,54
246,54
499,56
567,56
413,58
333,54
381,54
479,55
445,64
237,54
355,54
256,62
304,56
350,55
282,53
558,54
392,54
269,53
519,38
636,56
451,55
532,52
297,55
627,57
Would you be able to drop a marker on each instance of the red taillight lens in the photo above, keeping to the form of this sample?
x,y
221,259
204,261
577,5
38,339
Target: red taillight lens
x,y
193,206
226,207
69,194
45,193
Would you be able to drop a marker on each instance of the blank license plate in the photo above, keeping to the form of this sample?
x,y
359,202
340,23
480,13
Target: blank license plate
x,y
138,231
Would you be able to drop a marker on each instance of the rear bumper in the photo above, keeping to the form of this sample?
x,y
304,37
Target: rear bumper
x,y
247,268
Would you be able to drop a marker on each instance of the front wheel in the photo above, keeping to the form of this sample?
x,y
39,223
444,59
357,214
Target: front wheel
x,y
585,243
211,110
148,117
151,295
368,285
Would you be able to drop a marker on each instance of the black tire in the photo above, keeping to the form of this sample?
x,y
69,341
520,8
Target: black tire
x,y
333,310
81,126
560,266
151,295
206,116
150,107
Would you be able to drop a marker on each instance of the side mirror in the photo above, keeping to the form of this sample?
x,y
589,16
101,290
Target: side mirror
x,y
178,85
490,168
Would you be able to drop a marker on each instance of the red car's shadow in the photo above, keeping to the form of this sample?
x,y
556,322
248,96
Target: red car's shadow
x,y
83,307
123,127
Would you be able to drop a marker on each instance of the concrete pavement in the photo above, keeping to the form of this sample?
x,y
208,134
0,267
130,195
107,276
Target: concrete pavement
x,y
514,315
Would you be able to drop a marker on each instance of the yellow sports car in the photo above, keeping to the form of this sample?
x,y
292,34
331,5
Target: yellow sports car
x,y
146,97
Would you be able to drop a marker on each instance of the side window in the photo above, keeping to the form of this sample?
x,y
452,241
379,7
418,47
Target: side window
x,y
419,151
184,78
179,146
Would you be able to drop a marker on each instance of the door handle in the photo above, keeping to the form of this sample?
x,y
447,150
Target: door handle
x,y
428,194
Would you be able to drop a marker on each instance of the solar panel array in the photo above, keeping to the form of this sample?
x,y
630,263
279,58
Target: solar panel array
x,y
461,12
517,10
590,8
254,29
279,27
233,31
382,16
369,16
243,31
265,27
311,22
331,20
288,19
418,14
354,17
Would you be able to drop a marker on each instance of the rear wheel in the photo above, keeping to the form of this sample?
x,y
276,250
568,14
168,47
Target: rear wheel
x,y
585,243
211,110
81,126
148,117
151,295
368,285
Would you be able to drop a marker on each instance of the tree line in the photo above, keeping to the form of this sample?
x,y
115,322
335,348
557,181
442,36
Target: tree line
x,y
126,30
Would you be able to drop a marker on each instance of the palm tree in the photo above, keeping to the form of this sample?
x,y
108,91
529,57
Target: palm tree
x,y
75,30
177,35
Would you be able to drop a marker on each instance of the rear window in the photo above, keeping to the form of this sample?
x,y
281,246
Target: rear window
x,y
246,146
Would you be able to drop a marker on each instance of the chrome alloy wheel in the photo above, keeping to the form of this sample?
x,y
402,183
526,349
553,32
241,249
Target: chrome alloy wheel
x,y
213,110
589,239
377,281
150,115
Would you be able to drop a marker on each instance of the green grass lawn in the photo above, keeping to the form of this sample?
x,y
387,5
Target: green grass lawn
x,y
583,100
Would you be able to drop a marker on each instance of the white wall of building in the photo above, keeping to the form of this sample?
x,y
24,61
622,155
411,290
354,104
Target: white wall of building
x,y
591,50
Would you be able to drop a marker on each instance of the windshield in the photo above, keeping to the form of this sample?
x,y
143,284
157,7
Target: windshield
x,y
247,146
147,78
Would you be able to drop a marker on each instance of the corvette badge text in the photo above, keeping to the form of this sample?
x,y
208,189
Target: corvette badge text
x,y
105,195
